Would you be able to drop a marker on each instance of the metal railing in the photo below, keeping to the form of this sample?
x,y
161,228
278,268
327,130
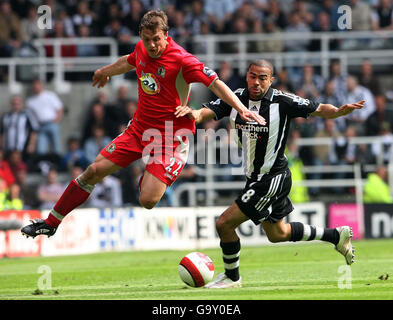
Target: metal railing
x,y
209,173
212,55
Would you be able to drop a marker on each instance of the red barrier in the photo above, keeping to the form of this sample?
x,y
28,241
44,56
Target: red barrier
x,y
12,243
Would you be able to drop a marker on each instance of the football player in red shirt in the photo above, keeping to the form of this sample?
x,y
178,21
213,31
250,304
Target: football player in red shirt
x,y
165,71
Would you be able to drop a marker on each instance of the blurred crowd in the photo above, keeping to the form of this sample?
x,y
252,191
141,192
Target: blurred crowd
x,y
119,19
30,128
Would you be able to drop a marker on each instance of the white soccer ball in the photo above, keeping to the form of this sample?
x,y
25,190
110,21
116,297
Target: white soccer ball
x,y
196,269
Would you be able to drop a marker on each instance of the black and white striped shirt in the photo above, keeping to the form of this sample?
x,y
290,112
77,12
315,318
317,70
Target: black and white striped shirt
x,y
263,146
16,128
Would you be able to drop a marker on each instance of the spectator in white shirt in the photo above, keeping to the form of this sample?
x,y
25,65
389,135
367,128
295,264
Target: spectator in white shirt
x,y
220,12
48,109
356,91
107,194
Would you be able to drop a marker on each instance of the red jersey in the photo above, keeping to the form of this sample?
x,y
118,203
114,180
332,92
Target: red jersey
x,y
164,83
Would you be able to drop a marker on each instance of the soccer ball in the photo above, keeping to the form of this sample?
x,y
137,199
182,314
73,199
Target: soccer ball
x,y
196,269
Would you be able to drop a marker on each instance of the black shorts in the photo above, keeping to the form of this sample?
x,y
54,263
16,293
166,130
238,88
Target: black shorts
x,y
267,199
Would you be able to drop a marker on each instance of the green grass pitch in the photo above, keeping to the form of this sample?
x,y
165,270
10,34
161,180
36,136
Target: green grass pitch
x,y
296,271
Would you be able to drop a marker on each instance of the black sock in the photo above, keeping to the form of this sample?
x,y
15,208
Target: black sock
x,y
305,232
230,256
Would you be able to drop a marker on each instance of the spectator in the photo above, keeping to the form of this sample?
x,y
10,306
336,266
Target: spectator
x,y
16,163
83,16
378,117
331,8
11,199
382,16
229,75
48,109
384,149
129,179
340,80
219,13
329,96
28,191
376,188
96,143
194,19
131,109
368,79
74,155
132,19
107,194
98,116
50,191
351,153
311,83
68,25
18,128
59,31
283,81
5,171
275,14
10,30
86,50
296,24
355,91
156,4
324,154
362,11
30,29
304,11
179,32
323,24
298,194
75,170
117,112
271,45
21,7
121,33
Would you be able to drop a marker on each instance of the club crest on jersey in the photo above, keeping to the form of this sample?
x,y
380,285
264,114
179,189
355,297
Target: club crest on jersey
x,y
111,148
161,72
149,83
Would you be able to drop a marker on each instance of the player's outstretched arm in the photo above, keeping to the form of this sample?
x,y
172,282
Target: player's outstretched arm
x,y
102,75
201,115
221,90
329,111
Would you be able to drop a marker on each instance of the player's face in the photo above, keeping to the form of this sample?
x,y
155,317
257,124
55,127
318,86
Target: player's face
x,y
259,79
154,41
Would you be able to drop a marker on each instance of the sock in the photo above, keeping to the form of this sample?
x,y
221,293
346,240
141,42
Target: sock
x,y
230,255
74,195
305,232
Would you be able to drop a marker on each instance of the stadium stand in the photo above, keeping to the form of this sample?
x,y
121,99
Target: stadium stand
x,y
314,58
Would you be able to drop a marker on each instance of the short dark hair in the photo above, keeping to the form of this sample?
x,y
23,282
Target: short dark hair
x,y
153,20
262,63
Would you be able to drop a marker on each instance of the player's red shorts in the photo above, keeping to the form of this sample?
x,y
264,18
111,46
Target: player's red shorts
x,y
165,157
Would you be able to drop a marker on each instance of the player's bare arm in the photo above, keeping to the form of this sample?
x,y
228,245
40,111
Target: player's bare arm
x,y
102,75
221,90
201,115
331,112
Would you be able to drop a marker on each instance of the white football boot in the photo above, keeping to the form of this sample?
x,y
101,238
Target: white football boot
x,y
344,246
222,281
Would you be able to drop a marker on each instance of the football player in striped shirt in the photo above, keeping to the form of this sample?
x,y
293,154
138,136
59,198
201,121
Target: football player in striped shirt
x,y
265,196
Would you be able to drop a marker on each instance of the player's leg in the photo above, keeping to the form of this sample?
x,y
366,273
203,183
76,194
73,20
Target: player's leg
x,y
279,231
151,190
230,246
76,193
162,171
